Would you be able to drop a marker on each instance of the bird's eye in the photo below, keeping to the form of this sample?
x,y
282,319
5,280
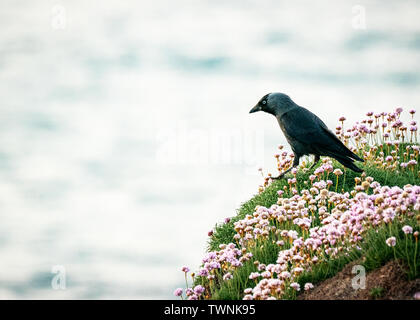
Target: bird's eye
x,y
264,102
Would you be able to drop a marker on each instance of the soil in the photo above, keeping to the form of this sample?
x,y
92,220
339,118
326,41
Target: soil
x,y
388,282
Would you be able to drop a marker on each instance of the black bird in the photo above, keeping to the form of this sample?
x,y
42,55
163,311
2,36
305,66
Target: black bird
x,y
305,132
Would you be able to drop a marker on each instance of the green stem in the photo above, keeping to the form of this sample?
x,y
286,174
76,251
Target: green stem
x,y
344,179
406,252
336,184
415,258
186,281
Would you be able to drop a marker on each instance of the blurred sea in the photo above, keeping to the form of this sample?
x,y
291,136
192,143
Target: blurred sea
x,y
102,103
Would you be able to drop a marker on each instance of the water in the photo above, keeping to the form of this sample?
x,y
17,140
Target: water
x,y
125,134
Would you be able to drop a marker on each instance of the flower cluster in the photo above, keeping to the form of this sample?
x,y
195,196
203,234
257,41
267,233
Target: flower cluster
x,y
216,265
341,221
344,218
380,137
312,222
379,127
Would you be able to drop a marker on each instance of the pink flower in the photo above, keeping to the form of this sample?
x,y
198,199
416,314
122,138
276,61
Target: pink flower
x,y
198,290
185,269
308,286
203,272
227,276
178,292
280,243
391,242
407,229
295,286
254,275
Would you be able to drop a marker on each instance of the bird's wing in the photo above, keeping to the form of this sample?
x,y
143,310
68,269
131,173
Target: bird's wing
x,y
305,127
302,125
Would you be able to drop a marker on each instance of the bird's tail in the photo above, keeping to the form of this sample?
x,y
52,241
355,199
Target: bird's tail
x,y
356,157
348,163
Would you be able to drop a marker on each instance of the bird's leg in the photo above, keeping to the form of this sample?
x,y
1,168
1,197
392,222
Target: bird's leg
x,y
282,174
316,160
295,164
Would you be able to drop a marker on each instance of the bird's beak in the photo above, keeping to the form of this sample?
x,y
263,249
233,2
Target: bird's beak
x,y
255,109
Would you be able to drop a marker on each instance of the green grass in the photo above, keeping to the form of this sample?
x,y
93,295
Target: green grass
x,y
377,292
224,233
376,253
233,289
374,249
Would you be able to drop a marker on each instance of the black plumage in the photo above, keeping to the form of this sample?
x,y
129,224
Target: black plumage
x,y
305,132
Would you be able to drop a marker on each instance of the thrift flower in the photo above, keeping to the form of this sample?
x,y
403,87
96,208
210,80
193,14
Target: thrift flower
x,y
391,242
227,276
198,290
178,292
254,275
308,286
295,286
407,229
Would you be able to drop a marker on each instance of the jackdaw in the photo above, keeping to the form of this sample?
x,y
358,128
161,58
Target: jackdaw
x,y
305,132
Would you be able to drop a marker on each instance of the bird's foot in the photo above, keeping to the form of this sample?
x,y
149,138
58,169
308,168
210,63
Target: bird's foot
x,y
316,160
